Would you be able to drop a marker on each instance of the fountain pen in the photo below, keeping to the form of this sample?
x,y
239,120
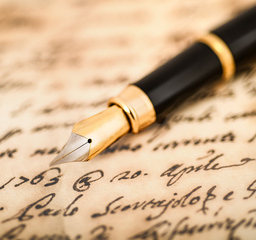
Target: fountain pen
x,y
217,55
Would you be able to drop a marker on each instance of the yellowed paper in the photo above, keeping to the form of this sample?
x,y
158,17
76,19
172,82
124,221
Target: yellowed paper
x,y
193,177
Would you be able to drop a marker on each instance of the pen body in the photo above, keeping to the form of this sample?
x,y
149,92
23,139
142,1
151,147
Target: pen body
x,y
177,79
169,85
240,36
216,55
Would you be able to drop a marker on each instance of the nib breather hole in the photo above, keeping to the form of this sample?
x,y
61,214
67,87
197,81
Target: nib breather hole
x,y
89,140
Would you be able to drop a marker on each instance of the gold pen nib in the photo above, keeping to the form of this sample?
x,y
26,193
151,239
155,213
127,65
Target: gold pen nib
x,y
92,135
76,149
130,111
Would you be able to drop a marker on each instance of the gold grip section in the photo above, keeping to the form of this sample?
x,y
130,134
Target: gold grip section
x,y
137,107
223,52
103,129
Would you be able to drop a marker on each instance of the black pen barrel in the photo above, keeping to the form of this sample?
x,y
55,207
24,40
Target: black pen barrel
x,y
176,80
240,36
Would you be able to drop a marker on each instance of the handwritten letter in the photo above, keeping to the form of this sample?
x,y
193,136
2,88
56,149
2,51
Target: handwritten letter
x,y
191,177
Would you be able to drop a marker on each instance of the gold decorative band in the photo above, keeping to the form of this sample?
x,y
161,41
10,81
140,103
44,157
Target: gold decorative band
x,y
223,52
137,107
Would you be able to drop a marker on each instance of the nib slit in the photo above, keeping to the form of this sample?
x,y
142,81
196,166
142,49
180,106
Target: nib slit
x,y
76,149
72,151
